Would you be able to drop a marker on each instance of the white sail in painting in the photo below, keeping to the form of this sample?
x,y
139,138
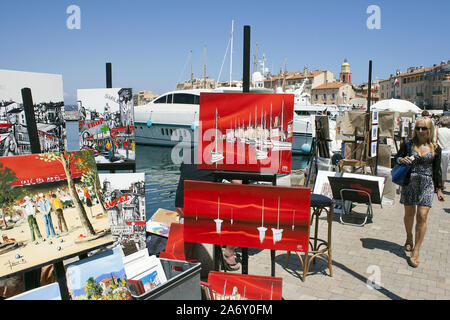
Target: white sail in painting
x,y
262,230
216,155
281,144
218,221
277,233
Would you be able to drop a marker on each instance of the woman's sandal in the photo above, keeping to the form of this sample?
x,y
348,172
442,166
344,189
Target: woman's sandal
x,y
228,265
413,262
408,247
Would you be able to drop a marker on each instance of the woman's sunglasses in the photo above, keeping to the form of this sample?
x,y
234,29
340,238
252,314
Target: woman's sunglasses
x,y
421,128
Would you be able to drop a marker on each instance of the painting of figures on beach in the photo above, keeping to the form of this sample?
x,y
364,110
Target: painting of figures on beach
x,y
251,216
49,209
246,132
124,200
48,101
107,124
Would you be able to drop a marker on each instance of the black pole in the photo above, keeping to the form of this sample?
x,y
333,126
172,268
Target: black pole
x,y
108,75
369,93
246,64
31,120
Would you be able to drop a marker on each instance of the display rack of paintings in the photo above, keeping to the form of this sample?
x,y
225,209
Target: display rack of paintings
x,y
48,105
106,124
46,213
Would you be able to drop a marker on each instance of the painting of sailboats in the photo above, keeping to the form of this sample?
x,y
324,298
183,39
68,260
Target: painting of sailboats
x,y
262,216
249,132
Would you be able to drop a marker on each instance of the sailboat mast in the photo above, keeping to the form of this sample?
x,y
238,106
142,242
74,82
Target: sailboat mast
x,y
231,52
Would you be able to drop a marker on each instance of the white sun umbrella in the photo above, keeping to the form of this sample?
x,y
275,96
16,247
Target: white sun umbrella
x,y
403,107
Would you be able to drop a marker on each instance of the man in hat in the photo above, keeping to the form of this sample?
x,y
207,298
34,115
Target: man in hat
x,y
30,212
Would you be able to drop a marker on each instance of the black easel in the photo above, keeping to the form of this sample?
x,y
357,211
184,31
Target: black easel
x,y
31,278
113,167
246,178
319,145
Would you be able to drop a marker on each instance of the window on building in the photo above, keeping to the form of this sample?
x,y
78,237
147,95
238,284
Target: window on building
x,y
324,96
334,96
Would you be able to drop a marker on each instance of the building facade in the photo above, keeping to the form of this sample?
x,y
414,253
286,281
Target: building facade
x,y
423,86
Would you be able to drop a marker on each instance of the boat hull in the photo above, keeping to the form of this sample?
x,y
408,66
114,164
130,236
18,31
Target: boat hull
x,y
172,135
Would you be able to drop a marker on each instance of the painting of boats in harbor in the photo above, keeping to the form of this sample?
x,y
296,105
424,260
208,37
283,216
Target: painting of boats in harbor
x,y
270,217
250,132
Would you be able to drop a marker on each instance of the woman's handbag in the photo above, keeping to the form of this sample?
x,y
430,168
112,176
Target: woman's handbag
x,y
401,172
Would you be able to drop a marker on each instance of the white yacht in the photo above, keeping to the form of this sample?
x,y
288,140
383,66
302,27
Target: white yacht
x,y
173,118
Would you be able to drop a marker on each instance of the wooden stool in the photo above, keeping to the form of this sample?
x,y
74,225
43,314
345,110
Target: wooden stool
x,y
318,204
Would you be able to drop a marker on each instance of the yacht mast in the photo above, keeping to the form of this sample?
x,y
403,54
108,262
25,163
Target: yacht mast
x,y
231,52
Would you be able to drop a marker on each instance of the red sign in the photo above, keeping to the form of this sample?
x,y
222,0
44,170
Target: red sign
x,y
246,132
116,201
251,216
30,169
246,286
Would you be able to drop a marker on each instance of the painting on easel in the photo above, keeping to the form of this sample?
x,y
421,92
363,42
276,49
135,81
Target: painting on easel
x,y
50,209
270,218
250,132
107,124
48,105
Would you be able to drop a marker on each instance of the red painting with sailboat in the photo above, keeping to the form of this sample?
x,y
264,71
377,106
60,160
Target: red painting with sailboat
x,y
250,132
251,216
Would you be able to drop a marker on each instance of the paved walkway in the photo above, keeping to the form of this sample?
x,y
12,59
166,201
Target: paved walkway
x,y
369,262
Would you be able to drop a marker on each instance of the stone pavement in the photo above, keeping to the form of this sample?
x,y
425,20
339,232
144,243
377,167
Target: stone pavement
x,y
369,262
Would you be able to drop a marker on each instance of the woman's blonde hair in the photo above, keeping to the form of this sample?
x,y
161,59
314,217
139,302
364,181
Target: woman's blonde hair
x,y
431,141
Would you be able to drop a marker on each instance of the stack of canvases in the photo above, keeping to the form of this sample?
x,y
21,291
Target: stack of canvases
x,y
54,205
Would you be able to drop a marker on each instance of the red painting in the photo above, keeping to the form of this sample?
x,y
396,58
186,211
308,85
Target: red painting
x,y
250,132
33,169
233,286
250,216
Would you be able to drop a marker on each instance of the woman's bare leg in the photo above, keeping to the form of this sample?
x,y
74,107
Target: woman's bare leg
x,y
421,227
410,212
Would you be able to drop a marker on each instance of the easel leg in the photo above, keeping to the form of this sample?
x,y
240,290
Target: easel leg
x,y
61,279
244,260
217,257
272,260
32,279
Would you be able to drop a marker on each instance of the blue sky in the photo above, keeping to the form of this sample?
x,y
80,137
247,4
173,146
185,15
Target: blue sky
x,y
148,42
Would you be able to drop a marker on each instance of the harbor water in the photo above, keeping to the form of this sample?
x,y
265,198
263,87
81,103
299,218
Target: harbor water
x,y
162,175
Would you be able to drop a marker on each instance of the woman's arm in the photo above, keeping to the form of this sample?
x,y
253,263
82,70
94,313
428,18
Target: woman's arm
x,y
437,173
402,152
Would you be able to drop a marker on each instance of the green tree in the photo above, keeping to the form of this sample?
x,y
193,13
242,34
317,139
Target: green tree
x,y
66,159
8,194
93,289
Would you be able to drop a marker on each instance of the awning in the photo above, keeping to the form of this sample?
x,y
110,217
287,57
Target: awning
x,y
30,169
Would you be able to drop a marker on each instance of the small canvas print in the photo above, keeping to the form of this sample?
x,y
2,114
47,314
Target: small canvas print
x,y
107,124
50,208
374,133
48,103
374,116
48,292
124,200
100,277
373,149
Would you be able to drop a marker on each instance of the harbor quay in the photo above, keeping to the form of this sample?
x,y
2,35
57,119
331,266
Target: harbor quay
x,y
368,262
